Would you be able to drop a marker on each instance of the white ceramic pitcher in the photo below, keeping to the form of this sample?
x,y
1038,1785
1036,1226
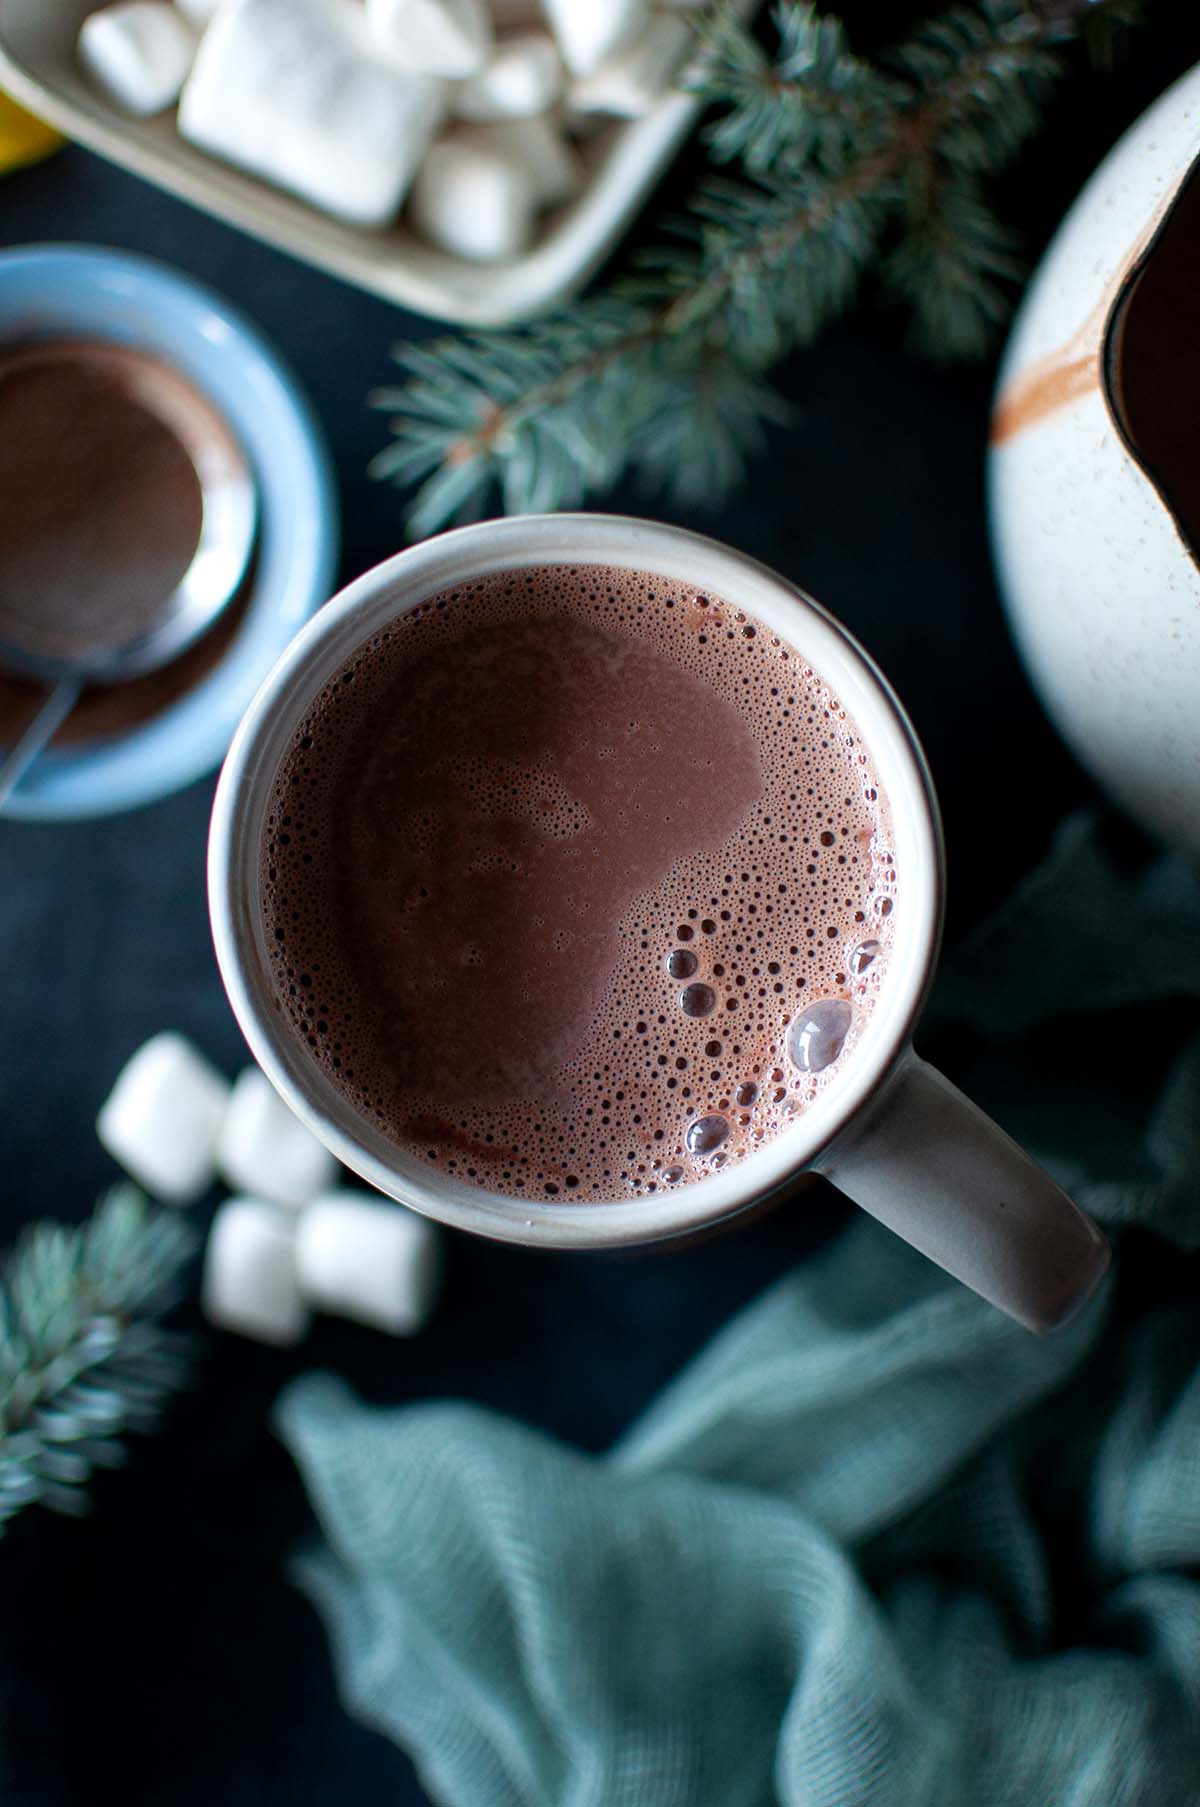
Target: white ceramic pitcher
x,y
1101,584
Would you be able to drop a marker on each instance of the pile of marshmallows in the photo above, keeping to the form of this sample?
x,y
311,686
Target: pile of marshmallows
x,y
289,1241
352,104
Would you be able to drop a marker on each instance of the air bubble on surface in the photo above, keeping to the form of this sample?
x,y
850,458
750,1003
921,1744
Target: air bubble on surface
x,y
864,957
818,1034
707,1134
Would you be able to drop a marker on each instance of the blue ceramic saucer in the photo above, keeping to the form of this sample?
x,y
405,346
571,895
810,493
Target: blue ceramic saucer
x,y
78,292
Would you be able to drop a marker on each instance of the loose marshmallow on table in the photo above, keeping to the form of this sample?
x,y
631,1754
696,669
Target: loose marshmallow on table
x,y
443,37
293,91
524,77
139,53
162,1118
590,32
250,1282
366,1258
630,83
264,1148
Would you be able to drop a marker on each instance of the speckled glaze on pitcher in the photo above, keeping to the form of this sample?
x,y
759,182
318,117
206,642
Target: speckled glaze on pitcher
x,y
1097,562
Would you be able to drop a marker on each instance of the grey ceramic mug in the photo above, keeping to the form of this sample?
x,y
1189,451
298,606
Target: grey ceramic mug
x,y
891,1133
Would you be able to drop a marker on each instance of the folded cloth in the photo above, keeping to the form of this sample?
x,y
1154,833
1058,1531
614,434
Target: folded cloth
x,y
876,1547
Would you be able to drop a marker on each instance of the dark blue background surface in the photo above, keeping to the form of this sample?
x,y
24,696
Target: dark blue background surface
x,y
157,1652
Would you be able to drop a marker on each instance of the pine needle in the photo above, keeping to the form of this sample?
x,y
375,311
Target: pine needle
x,y
82,1358
830,169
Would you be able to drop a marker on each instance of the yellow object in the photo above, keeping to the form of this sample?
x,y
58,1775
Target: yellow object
x,y
23,139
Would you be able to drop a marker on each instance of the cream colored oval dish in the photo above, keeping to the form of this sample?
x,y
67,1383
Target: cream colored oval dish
x,y
38,67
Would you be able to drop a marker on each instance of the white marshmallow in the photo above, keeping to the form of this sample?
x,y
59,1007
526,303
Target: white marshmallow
x,y
370,1260
443,37
474,201
264,1148
524,77
139,53
198,12
540,150
250,1282
291,90
630,83
162,1118
591,32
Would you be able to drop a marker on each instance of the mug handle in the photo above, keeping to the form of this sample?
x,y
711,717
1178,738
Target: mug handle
x,y
931,1166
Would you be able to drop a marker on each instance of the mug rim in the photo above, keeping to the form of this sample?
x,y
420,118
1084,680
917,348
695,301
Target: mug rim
x,y
465,554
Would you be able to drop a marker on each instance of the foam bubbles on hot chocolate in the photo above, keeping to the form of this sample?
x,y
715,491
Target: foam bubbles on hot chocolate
x,y
817,1034
704,1135
579,884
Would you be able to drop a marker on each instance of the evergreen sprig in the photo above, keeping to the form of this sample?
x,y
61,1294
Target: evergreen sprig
x,y
83,1358
844,166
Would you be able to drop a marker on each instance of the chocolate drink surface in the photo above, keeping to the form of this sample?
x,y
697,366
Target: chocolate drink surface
x,y
100,503
578,884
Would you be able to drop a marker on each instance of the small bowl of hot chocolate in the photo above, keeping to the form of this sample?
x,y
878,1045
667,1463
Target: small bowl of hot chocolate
x,y
124,389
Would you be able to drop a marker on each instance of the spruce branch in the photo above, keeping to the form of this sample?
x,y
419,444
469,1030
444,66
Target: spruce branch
x,y
812,101
82,1356
844,167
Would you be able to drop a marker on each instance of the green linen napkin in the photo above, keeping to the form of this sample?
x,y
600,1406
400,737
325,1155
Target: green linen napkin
x,y
877,1546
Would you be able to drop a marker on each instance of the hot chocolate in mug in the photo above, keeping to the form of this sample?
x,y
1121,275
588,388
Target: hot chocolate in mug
x,y
839,1090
